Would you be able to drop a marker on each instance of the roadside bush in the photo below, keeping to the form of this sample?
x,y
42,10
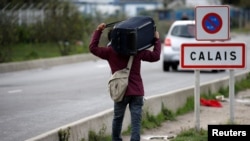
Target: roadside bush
x,y
8,36
62,23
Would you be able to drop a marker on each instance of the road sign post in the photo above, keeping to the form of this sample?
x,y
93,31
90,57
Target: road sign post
x,y
212,24
213,56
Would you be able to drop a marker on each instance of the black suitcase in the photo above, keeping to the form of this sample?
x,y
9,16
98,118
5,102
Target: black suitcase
x,y
133,35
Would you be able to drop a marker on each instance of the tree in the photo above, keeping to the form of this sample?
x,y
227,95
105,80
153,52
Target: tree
x,y
11,3
64,25
239,3
8,35
245,4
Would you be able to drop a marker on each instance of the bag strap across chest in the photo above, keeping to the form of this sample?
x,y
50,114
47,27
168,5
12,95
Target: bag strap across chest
x,y
130,62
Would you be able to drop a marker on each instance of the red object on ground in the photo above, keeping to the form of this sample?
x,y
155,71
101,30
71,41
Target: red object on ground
x,y
210,103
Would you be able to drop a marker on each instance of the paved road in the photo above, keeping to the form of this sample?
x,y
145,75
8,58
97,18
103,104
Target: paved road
x,y
36,101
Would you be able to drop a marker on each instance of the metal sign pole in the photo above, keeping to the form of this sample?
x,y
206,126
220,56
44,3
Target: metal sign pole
x,y
231,95
197,100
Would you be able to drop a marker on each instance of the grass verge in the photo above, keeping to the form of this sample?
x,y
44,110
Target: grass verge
x,y
32,51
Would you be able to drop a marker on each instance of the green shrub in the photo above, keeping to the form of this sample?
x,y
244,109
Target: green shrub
x,y
192,135
189,106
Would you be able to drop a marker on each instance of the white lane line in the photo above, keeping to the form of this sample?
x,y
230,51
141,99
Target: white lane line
x,y
15,91
102,66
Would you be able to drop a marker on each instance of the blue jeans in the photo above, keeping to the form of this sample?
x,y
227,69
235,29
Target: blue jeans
x,y
135,107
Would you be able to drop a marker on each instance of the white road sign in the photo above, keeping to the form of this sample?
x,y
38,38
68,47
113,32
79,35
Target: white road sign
x,y
213,55
212,23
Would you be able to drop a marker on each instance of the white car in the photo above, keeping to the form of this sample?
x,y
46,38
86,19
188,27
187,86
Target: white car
x,y
181,31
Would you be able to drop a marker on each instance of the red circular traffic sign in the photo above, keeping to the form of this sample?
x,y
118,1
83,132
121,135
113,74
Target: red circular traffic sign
x,y
212,23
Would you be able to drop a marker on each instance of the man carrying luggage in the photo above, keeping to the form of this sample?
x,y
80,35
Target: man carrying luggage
x,y
135,91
